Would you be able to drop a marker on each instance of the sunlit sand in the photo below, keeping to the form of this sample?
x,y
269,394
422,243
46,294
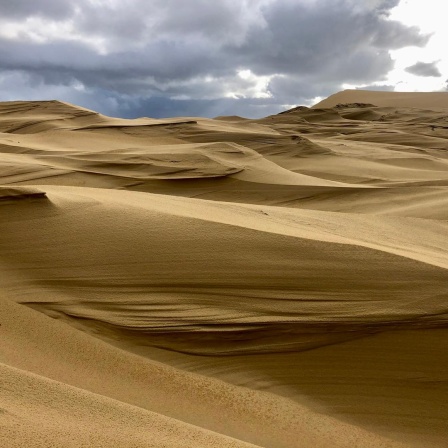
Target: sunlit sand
x,y
227,282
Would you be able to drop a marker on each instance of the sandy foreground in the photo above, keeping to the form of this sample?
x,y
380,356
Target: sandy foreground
x,y
191,282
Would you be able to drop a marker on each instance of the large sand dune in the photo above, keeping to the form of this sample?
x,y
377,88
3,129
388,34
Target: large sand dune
x,y
280,282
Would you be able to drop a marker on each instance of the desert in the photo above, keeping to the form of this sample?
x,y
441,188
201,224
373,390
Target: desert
x,y
279,282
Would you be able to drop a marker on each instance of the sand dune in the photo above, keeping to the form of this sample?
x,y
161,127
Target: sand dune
x,y
279,282
419,100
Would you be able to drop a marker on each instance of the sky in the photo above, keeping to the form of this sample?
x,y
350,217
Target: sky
x,y
253,58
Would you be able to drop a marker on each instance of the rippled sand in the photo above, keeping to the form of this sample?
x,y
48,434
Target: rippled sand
x,y
191,282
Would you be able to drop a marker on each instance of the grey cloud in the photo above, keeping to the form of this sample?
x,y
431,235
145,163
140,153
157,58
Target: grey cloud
x,y
131,106
169,49
225,20
304,37
245,107
292,90
425,69
393,35
22,9
384,6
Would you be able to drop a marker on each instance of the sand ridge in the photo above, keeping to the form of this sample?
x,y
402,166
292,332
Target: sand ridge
x,y
278,282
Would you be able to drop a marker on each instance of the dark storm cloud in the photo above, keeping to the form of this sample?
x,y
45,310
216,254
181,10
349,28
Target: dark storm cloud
x,y
424,69
128,56
163,107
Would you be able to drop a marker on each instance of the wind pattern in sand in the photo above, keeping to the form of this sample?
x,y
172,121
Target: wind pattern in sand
x,y
192,282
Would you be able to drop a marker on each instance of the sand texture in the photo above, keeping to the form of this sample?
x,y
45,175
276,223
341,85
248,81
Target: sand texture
x,y
192,282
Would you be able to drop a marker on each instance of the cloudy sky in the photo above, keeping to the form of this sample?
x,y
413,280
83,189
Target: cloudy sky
x,y
162,58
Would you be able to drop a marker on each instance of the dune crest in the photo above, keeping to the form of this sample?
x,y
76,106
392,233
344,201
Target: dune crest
x,y
365,98
18,193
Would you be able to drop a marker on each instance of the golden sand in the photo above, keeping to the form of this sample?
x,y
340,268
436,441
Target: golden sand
x,y
191,282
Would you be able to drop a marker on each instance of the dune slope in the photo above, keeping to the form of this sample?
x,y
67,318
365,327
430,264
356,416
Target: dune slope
x,y
193,282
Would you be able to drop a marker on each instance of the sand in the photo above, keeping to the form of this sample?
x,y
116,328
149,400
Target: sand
x,y
225,282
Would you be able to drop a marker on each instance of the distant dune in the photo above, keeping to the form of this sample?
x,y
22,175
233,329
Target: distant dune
x,y
227,282
419,100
